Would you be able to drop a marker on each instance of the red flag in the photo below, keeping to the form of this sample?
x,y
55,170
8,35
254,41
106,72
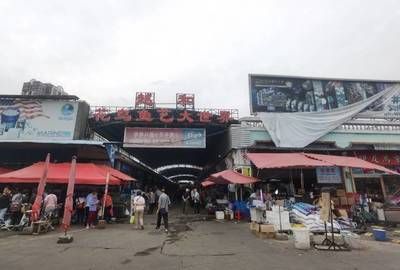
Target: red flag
x,y
69,203
105,193
40,190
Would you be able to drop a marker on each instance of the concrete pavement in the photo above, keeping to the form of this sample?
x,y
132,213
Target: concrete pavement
x,y
191,245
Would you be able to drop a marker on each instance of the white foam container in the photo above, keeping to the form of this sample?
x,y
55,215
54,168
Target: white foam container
x,y
301,238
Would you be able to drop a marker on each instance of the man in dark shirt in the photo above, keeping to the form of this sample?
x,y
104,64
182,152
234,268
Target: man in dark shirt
x,y
5,199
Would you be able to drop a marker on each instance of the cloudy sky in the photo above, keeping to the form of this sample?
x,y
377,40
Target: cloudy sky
x,y
105,51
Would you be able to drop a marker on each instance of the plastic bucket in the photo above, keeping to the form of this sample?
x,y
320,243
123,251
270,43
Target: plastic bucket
x,y
301,238
379,234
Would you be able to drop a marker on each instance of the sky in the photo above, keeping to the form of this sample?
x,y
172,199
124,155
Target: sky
x,y
106,51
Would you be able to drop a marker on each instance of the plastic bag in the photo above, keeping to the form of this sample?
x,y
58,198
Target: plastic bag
x,y
132,220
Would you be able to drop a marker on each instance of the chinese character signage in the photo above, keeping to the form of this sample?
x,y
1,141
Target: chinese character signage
x,y
145,100
162,115
33,119
329,175
384,158
139,137
185,101
291,94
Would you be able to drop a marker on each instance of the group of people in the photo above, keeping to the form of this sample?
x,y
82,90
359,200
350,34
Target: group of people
x,y
13,203
191,198
88,207
154,198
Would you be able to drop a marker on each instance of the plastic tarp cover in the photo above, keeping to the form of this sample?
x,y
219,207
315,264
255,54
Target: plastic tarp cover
x,y
298,130
58,173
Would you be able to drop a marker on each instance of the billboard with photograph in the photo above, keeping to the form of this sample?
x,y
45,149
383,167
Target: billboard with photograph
x,y
295,94
139,137
33,119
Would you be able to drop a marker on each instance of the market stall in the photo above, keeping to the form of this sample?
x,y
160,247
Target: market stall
x,y
230,177
58,173
309,215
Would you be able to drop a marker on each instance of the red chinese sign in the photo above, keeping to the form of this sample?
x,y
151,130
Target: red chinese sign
x,y
380,158
224,116
185,116
145,100
163,115
185,101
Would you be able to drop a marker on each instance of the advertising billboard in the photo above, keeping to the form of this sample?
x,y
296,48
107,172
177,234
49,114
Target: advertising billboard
x,y
139,137
33,119
296,94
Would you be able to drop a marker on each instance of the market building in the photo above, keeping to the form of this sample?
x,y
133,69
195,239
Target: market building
x,y
370,132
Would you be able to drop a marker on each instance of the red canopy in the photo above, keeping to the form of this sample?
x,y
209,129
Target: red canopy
x,y
231,177
304,160
352,162
116,173
4,170
207,183
284,160
86,174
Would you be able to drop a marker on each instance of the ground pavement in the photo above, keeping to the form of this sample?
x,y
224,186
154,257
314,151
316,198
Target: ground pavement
x,y
193,243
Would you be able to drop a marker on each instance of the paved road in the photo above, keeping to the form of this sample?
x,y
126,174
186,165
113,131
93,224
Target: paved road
x,y
194,245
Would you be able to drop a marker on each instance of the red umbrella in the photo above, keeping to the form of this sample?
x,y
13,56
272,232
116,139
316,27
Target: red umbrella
x,y
39,195
68,208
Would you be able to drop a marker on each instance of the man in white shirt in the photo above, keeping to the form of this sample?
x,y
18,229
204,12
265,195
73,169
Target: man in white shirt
x,y
138,206
50,205
196,201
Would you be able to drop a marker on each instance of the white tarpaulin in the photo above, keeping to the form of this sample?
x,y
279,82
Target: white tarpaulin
x,y
300,129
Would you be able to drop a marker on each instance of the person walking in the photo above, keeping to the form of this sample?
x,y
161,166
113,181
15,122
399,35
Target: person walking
x,y
80,203
162,210
196,201
92,203
5,200
108,207
186,201
152,202
138,205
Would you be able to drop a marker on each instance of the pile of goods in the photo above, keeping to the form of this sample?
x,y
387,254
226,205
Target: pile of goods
x,y
309,216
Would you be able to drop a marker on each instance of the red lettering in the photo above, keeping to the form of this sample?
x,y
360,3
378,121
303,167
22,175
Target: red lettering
x,y
101,114
164,116
185,115
145,115
205,117
124,115
224,116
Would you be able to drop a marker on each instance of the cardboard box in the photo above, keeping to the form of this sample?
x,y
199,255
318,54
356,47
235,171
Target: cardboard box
x,y
336,201
343,201
255,227
265,235
343,213
267,228
340,193
351,201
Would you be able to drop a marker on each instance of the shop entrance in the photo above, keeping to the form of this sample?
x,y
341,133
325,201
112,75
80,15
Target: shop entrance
x,y
371,187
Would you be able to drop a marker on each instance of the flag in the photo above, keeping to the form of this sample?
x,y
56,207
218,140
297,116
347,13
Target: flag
x,y
69,203
37,205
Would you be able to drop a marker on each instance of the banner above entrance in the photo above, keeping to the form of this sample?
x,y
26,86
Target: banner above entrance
x,y
165,137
